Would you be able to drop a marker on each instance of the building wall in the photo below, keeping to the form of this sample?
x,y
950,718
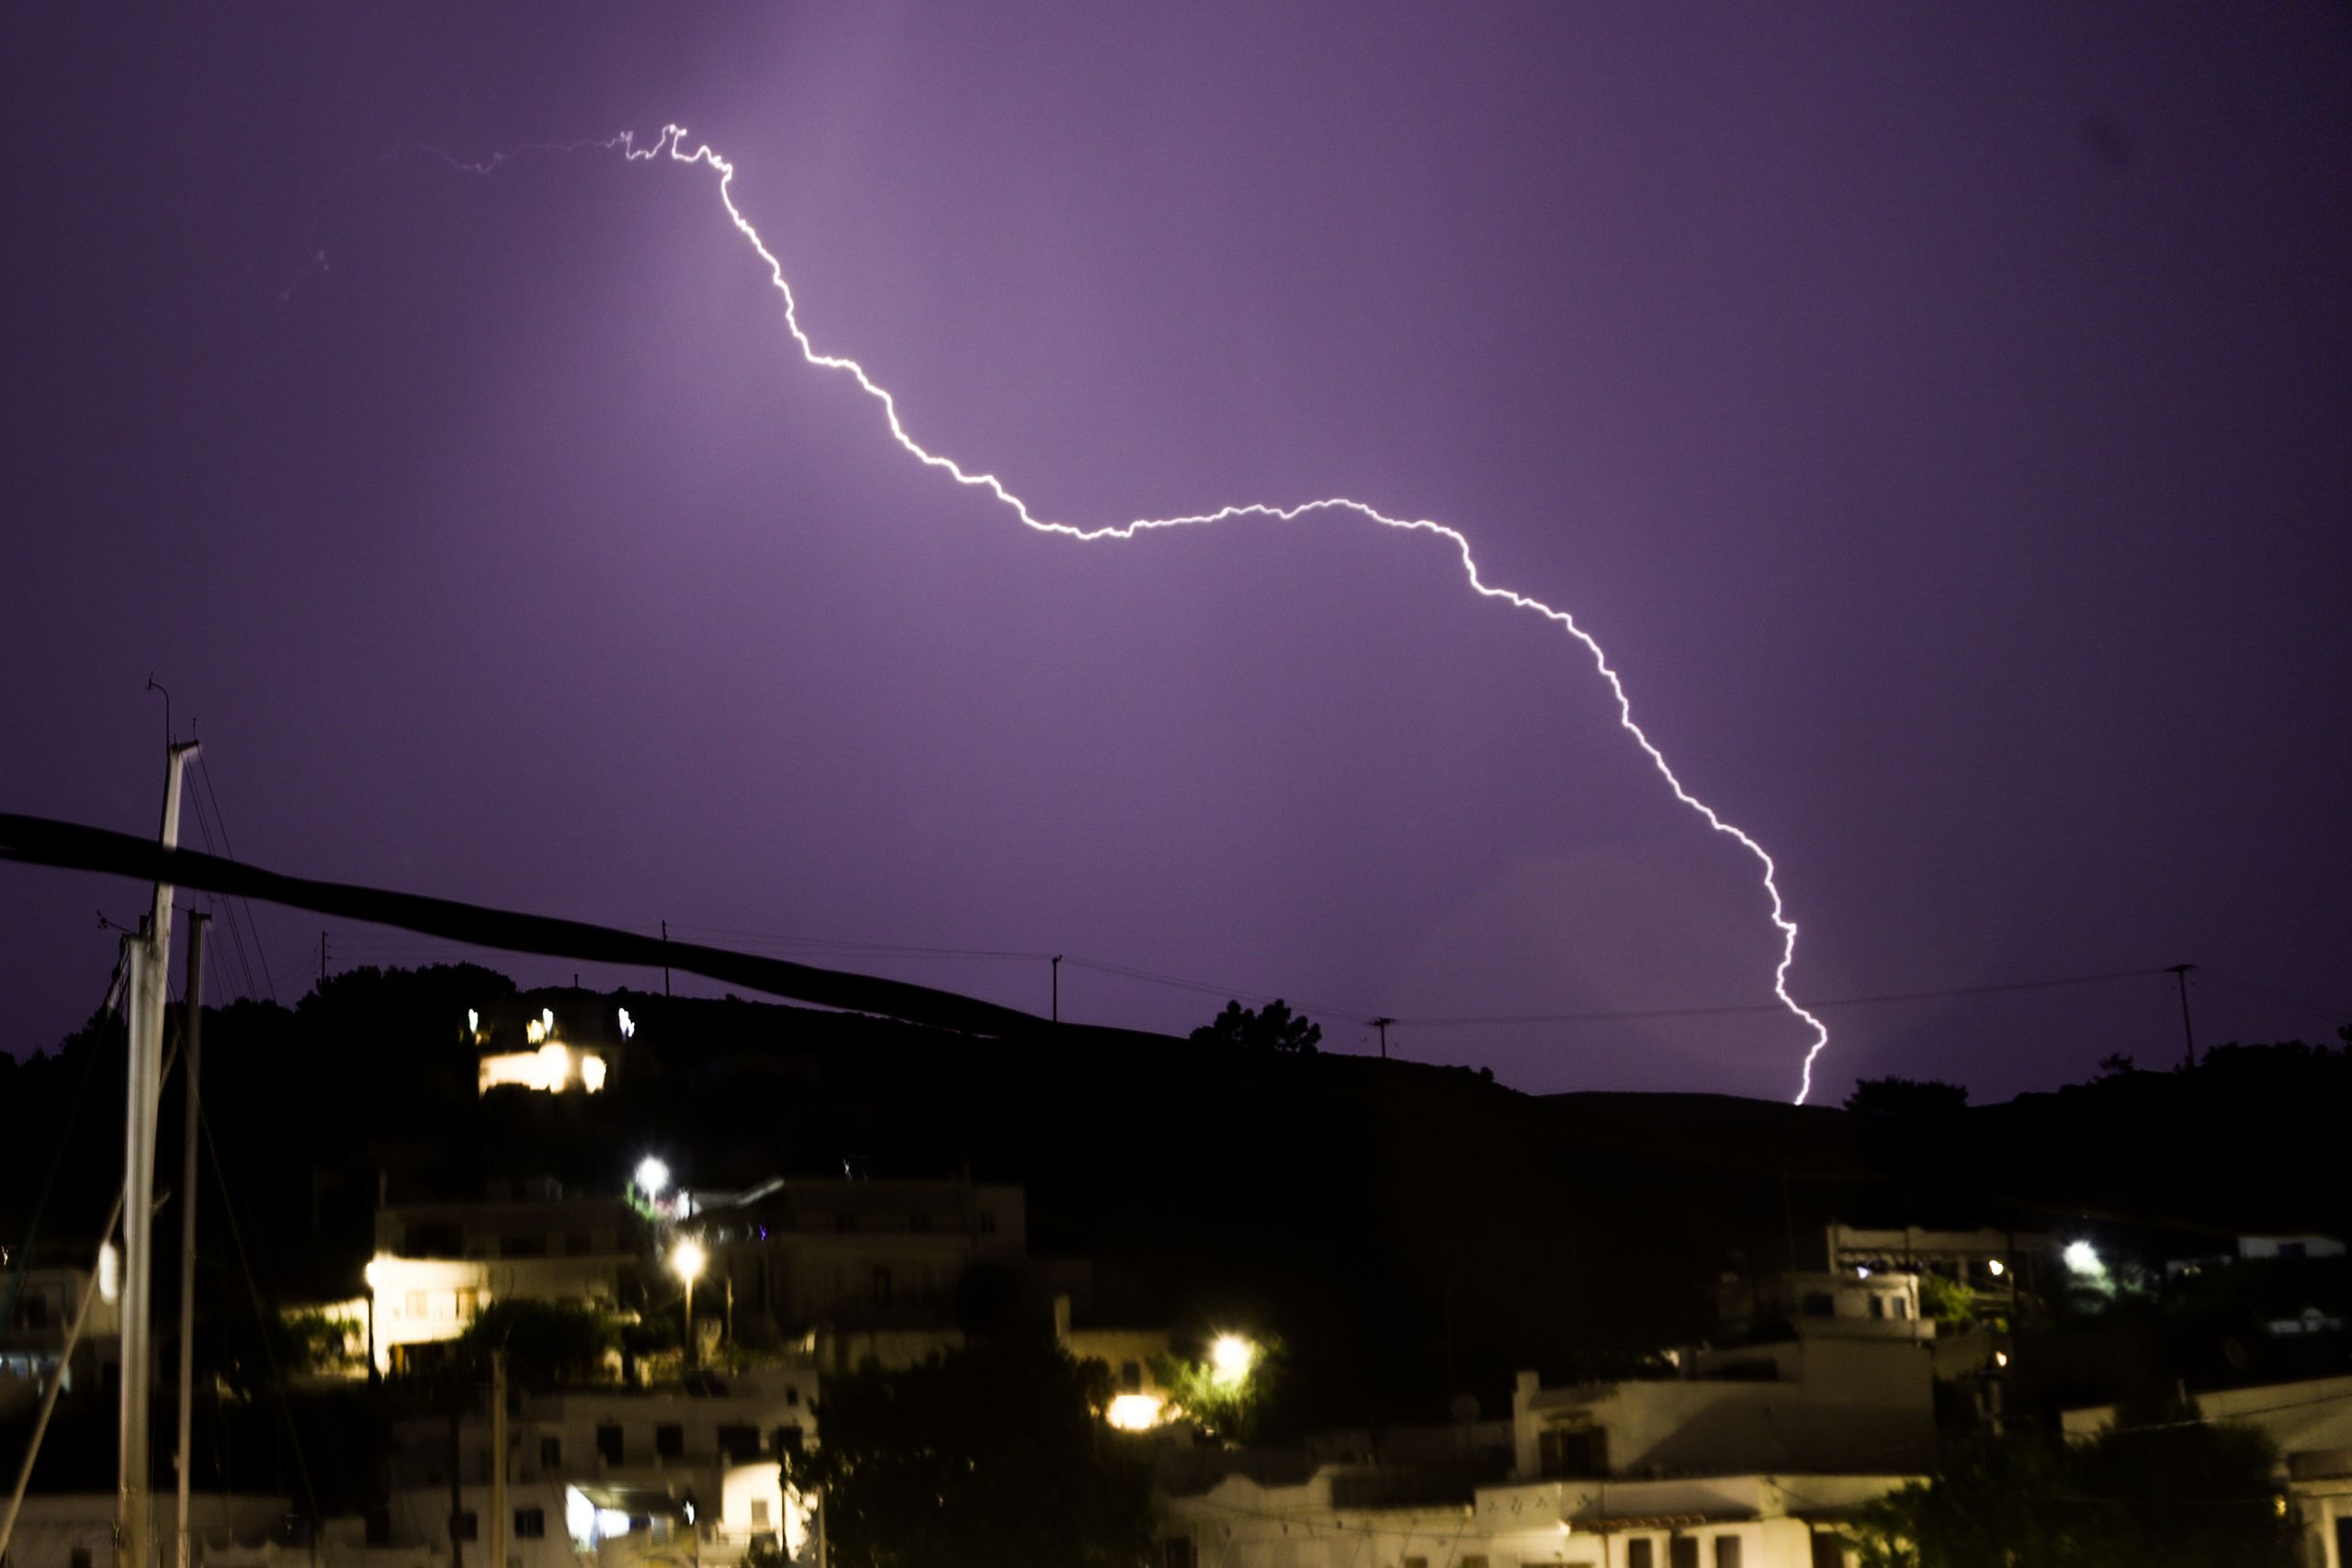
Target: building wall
x,y
1832,1404
1240,1524
423,1301
77,1529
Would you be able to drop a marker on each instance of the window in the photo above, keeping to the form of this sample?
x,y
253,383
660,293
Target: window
x,y
1820,1303
80,1558
609,1442
1640,1555
1474,1559
1726,1551
758,1513
1878,1306
1413,1563
432,1240
669,1441
787,1439
2293,1249
1569,1452
738,1441
1901,1306
523,1247
1828,1552
530,1524
36,1313
792,1394
1683,1552
551,1453
465,1525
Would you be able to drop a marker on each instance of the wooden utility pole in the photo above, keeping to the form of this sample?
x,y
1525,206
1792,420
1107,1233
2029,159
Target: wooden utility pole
x,y
1058,988
498,1518
2181,972
1382,1025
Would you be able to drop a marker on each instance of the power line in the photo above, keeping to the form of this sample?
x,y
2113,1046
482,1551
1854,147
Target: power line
x,y
1623,1015
2333,1014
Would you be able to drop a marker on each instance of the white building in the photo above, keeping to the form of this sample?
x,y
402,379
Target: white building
x,y
2311,1425
1822,1403
1336,1520
859,1255
77,1529
685,1476
33,1342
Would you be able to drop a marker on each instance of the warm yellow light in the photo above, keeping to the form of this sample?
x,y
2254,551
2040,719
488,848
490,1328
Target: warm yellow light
x,y
109,1272
1136,1412
1230,1359
687,1257
378,1270
591,1073
652,1176
2000,1358
1997,1267
535,1032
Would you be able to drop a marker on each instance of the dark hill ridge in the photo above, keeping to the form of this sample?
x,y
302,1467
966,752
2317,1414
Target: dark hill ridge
x,y
1412,1231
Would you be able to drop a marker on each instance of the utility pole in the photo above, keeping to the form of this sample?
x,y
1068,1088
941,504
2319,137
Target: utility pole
x,y
665,968
1382,1025
498,1518
191,1035
151,950
2181,972
1058,988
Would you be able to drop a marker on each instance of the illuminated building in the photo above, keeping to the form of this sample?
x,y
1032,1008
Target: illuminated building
x,y
674,1475
555,1042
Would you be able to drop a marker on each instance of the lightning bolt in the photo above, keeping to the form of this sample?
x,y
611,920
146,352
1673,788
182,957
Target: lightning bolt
x,y
671,145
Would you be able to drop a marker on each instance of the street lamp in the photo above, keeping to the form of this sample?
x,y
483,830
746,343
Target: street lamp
x,y
1230,1359
652,1176
687,1257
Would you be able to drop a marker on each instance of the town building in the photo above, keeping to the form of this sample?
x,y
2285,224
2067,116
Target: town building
x,y
1340,1517
33,1342
688,1473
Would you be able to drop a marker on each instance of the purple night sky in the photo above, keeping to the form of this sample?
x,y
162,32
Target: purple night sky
x,y
1943,418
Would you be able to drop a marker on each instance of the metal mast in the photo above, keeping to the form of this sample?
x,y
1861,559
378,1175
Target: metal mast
x,y
151,951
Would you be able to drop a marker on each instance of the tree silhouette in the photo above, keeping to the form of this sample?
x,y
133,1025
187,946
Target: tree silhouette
x,y
1271,1028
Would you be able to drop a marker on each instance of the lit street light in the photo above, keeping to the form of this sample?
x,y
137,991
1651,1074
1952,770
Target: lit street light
x,y
1230,1359
652,1177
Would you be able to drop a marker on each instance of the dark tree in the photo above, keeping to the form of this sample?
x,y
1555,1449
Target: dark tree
x,y
1271,1028
2174,1490
1906,1097
548,1344
994,1456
